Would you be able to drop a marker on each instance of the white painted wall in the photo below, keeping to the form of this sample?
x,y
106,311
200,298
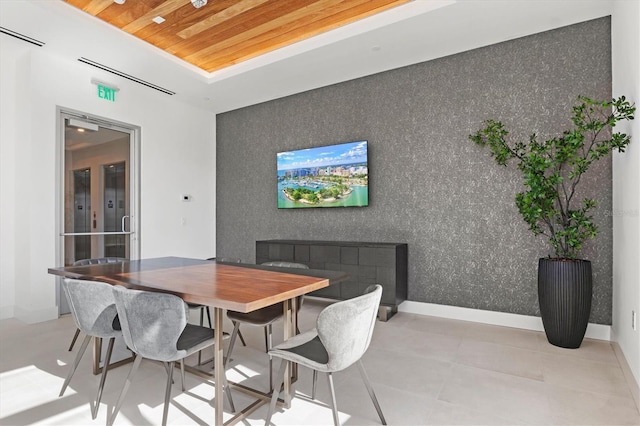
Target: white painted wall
x,y
177,157
626,185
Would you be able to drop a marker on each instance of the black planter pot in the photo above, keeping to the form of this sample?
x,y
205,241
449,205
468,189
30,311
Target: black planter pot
x,y
564,294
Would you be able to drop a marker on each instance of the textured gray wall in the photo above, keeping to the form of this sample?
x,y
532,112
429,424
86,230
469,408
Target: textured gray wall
x,y
429,185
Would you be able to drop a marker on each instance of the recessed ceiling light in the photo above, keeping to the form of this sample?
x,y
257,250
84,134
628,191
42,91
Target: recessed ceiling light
x,y
81,130
158,19
198,3
119,1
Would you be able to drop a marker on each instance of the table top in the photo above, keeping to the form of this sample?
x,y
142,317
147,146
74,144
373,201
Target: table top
x,y
234,286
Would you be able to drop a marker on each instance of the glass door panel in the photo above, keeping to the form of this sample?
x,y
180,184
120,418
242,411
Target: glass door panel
x,y
115,210
82,213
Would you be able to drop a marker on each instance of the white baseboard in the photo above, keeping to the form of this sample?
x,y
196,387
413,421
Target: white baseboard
x,y
594,331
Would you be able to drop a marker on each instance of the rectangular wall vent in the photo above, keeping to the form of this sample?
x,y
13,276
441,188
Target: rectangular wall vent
x,y
22,37
125,75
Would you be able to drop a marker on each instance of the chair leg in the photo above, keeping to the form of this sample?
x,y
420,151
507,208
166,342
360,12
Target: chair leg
x,y
73,341
72,370
232,341
105,368
241,338
209,316
334,405
276,391
182,373
167,395
166,367
125,388
367,383
315,383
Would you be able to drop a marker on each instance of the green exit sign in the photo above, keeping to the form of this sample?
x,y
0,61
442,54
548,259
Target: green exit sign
x,y
107,93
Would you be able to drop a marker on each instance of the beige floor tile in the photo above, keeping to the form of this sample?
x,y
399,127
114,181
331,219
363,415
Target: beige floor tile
x,y
421,343
432,324
407,372
501,358
513,398
583,374
508,336
399,407
594,350
569,406
444,413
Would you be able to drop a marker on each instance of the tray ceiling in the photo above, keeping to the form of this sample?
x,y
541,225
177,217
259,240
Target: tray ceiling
x,y
226,32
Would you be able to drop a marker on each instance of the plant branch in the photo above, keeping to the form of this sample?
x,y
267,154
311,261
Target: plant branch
x,y
553,170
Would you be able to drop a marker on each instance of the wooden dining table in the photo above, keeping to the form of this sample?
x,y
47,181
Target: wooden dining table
x,y
232,286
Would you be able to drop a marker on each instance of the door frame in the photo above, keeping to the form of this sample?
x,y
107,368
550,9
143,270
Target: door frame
x,y
134,131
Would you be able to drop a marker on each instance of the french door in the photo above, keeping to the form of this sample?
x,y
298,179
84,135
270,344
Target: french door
x,y
99,190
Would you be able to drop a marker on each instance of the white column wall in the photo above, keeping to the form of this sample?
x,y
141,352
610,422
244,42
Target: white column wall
x,y
177,157
626,185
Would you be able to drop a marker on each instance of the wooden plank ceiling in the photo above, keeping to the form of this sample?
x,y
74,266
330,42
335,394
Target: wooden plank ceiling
x,y
225,32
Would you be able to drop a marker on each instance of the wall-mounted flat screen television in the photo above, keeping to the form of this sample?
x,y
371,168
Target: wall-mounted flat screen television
x,y
325,176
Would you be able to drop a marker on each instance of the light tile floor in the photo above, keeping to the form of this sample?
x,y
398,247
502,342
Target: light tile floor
x,y
425,371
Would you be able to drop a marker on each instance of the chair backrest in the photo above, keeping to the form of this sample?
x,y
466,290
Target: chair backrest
x,y
92,307
151,322
98,261
284,264
345,328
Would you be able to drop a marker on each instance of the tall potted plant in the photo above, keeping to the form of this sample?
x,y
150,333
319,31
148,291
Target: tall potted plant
x,y
552,171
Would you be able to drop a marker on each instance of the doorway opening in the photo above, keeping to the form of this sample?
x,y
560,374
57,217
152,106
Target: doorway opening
x,y
98,190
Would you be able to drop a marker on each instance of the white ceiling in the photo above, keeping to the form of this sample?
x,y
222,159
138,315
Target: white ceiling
x,y
418,31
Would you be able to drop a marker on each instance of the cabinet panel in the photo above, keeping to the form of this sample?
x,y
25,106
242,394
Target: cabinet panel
x,y
349,255
366,263
301,253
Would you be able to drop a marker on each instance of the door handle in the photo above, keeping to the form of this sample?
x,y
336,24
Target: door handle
x,y
123,220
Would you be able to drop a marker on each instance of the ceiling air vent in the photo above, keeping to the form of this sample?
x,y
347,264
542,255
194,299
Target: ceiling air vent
x,y
125,75
22,37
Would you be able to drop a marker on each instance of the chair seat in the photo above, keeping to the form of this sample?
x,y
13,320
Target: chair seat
x,y
304,349
312,350
194,336
262,316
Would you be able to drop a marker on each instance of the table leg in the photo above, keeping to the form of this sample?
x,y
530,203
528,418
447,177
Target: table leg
x,y
217,365
289,331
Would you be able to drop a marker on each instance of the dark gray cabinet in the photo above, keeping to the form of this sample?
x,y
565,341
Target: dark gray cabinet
x,y
366,263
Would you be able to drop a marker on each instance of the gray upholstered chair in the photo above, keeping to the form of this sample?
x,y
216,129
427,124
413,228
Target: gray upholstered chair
x,y
95,261
154,326
94,312
342,335
263,317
